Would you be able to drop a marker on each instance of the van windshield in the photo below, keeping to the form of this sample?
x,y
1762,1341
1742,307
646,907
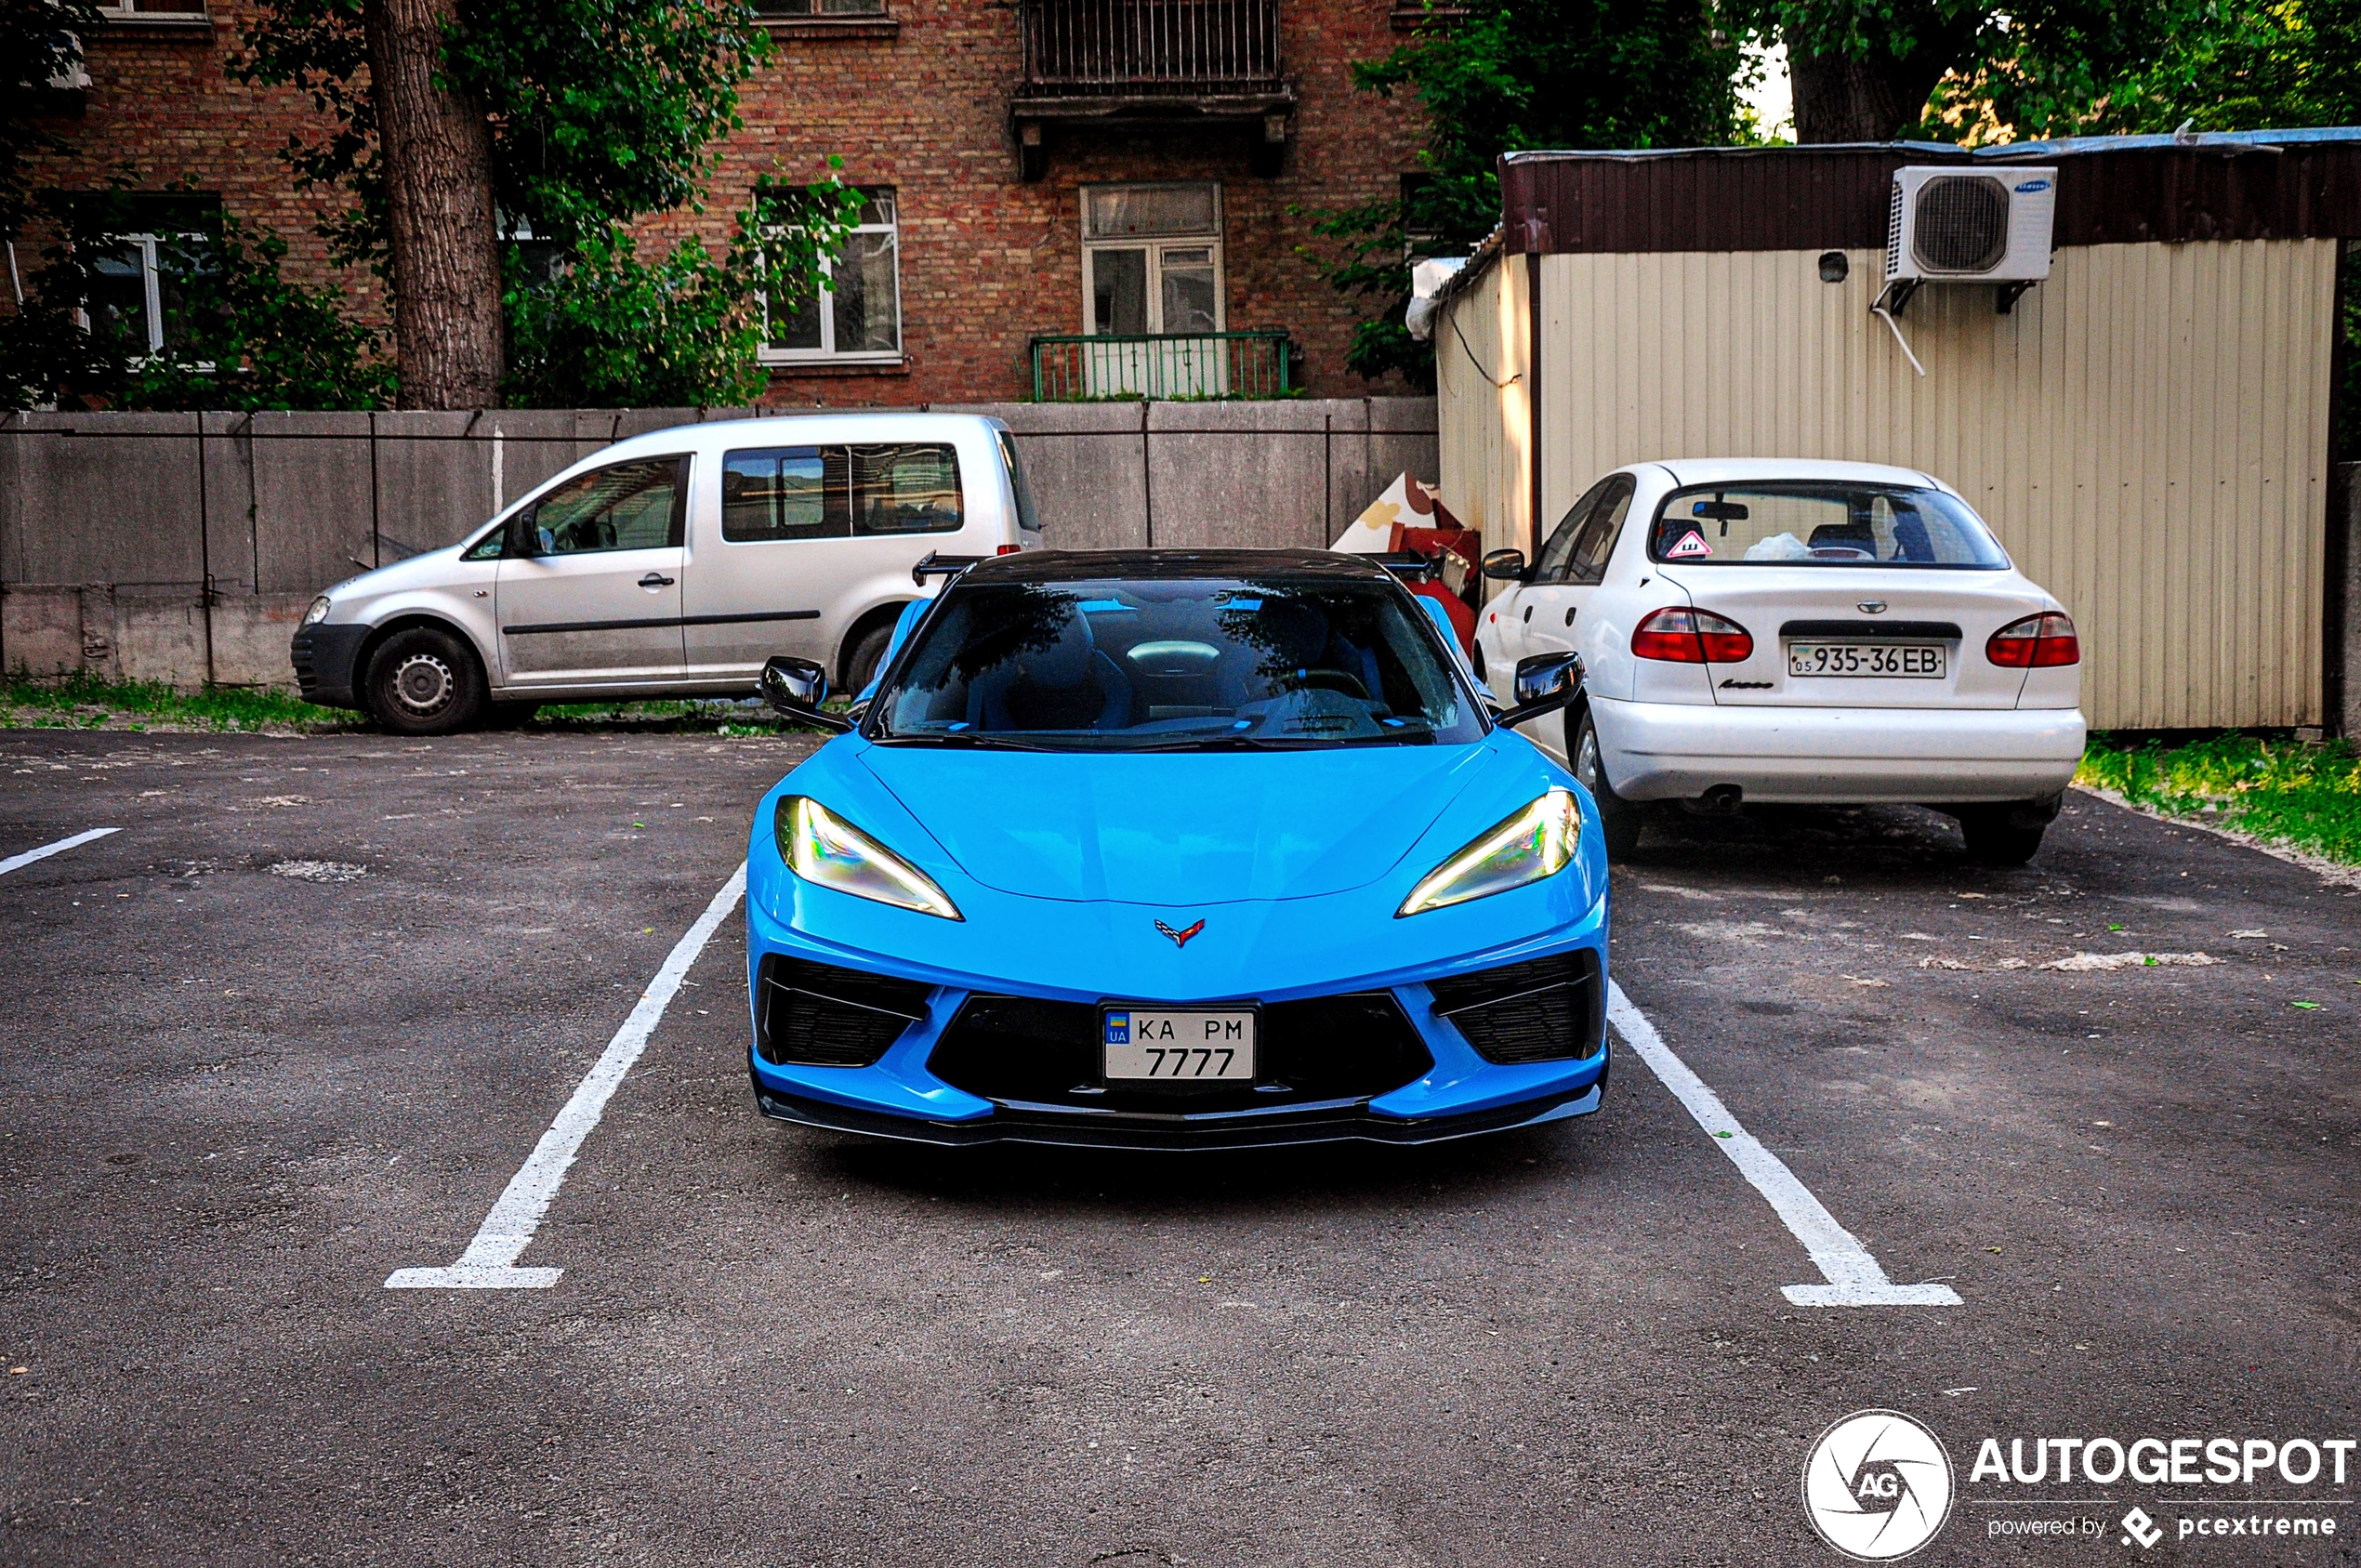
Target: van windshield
x,y
1176,665
1821,523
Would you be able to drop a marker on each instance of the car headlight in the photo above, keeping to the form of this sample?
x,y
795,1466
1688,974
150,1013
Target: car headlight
x,y
820,847
318,612
1538,841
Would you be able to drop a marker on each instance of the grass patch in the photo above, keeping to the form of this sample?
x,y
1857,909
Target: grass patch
x,y
84,702
2305,796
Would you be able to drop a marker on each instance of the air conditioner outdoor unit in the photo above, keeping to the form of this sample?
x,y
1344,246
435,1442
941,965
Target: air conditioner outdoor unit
x,y
1950,224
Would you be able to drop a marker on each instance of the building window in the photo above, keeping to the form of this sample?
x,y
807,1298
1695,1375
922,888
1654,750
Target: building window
x,y
137,295
538,258
1152,260
152,11
856,318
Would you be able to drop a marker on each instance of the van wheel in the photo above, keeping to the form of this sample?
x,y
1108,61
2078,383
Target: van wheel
x,y
423,680
1619,820
1993,839
861,663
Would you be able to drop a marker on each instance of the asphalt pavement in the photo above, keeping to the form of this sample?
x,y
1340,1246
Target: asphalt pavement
x,y
297,1023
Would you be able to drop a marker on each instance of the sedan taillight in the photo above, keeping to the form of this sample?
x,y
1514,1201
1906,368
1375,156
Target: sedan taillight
x,y
2036,643
1681,636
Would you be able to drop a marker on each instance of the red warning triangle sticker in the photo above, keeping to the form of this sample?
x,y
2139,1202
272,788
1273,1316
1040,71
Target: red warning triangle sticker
x,y
1691,546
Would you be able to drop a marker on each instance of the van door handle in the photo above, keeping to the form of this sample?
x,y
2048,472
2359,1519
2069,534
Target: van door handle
x,y
1569,617
655,580
1528,614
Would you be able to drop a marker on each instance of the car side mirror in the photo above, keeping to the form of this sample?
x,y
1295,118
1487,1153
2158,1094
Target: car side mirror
x,y
1506,566
1545,684
795,688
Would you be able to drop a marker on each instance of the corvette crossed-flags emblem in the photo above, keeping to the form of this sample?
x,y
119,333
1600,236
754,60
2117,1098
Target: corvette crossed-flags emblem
x,y
1180,938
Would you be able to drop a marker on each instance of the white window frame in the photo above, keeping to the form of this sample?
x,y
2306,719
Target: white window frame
x,y
826,352
132,12
1156,247
151,287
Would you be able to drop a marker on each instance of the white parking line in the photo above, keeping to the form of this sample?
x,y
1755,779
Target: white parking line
x,y
1854,1277
17,863
490,1262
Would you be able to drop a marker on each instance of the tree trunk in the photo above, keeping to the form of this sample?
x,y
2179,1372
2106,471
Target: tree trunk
x,y
1869,98
437,162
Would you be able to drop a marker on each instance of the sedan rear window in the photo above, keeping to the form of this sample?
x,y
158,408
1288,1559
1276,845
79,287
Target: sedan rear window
x,y
1158,664
1821,523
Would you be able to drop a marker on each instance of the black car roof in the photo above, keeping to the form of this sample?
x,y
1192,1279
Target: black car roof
x,y
1069,566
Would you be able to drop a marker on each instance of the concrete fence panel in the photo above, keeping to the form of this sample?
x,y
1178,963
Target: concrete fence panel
x,y
181,548
430,486
313,496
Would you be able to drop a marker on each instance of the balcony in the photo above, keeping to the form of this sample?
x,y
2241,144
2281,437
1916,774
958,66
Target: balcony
x,y
1208,364
1132,63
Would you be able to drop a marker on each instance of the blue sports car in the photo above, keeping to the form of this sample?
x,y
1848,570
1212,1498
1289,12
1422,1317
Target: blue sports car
x,y
1176,849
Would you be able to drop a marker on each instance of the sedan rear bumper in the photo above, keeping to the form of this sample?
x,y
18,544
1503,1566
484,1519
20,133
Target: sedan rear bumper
x,y
1672,751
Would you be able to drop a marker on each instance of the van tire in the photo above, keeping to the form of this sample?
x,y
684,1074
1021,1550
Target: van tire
x,y
861,661
1619,820
423,680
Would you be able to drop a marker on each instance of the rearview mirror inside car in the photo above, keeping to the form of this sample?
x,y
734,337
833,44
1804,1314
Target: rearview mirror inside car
x,y
1508,566
796,688
1545,684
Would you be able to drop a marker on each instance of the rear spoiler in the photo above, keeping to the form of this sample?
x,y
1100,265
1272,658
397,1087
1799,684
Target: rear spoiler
x,y
1409,565
933,565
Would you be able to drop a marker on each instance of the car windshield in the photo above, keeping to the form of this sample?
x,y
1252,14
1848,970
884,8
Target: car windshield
x,y
1821,523
1176,665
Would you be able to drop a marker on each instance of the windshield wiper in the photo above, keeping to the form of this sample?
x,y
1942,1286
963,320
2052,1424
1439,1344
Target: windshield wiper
x,y
973,742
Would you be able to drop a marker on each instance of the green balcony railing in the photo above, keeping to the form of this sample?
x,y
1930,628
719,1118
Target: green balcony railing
x,y
1204,364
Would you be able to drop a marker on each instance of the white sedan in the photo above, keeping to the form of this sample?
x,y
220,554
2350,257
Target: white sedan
x,y
1796,631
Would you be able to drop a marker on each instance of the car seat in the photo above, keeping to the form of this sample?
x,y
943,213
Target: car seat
x,y
1068,685
1843,537
1910,539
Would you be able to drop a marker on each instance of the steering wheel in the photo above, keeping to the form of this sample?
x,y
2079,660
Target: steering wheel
x,y
1334,681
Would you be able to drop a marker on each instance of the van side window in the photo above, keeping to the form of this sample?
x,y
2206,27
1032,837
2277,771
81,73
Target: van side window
x,y
777,493
623,506
1026,518
784,492
912,487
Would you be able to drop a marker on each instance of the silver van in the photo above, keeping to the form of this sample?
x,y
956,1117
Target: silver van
x,y
672,565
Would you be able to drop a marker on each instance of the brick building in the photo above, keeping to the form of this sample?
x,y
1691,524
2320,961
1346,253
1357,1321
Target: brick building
x,y
1141,172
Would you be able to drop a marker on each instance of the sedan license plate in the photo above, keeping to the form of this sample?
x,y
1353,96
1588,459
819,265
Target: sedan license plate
x,y
1921,661
1175,1045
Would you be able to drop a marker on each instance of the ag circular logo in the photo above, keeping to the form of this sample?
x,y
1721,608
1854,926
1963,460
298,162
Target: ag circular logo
x,y
1877,1485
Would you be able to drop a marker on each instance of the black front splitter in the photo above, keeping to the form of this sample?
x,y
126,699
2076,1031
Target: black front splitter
x,y
1265,1130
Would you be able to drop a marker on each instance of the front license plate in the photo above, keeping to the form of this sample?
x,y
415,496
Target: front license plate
x,y
1921,661
1171,1045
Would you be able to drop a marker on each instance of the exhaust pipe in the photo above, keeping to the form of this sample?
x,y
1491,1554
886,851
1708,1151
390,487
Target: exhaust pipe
x,y
1722,800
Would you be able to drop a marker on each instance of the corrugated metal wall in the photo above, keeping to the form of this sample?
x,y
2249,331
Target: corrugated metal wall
x,y
2147,432
1481,416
